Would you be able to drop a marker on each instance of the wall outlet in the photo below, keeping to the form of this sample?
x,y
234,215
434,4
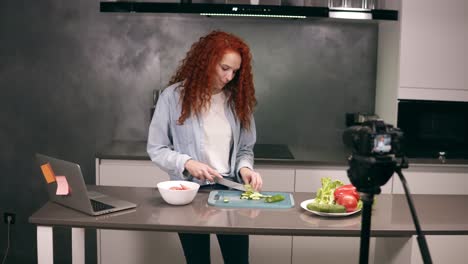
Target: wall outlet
x,y
11,215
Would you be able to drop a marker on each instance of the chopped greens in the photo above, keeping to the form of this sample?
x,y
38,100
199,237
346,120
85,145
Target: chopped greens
x,y
250,194
275,198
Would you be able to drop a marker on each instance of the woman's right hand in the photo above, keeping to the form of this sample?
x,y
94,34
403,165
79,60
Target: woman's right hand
x,y
201,171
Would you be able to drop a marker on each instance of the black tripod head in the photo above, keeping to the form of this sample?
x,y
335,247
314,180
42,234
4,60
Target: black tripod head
x,y
367,174
375,146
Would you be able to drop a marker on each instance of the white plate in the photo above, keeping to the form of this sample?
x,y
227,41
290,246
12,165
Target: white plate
x,y
306,202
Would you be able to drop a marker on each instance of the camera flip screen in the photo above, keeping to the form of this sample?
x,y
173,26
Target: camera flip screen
x,y
382,143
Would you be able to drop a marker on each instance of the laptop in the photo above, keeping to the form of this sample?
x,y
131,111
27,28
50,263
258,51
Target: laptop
x,y
78,197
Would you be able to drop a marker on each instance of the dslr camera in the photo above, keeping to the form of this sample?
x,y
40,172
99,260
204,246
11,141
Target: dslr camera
x,y
374,138
375,146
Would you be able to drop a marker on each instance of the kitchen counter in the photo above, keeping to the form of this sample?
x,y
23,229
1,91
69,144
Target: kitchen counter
x,y
136,150
438,215
295,232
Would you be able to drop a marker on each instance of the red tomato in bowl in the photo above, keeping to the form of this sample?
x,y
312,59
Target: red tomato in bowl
x,y
184,187
349,201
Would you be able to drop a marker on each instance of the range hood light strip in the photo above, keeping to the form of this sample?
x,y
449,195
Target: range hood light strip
x,y
250,15
350,15
351,9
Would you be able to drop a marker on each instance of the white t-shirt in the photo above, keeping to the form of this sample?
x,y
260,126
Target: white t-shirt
x,y
217,134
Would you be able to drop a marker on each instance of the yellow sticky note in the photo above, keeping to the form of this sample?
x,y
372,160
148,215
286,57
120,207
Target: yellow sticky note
x,y
49,174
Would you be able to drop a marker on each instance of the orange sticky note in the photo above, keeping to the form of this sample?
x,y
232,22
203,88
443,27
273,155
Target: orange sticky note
x,y
49,174
62,185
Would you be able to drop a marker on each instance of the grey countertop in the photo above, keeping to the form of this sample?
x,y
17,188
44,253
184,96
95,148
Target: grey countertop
x,y
136,150
438,215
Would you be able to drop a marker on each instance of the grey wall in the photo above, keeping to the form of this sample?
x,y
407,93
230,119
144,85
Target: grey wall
x,y
73,79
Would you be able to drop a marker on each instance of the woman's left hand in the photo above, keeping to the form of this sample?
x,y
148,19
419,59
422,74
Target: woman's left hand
x,y
251,177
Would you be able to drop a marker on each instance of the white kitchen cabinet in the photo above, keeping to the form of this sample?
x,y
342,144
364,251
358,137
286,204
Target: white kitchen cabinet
x,y
433,54
443,249
434,179
438,179
325,250
423,56
387,79
118,246
134,173
276,178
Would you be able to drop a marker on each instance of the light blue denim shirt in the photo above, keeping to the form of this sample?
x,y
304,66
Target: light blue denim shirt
x,y
171,145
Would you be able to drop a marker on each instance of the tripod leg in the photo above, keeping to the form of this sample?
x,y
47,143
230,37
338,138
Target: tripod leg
x,y
367,200
425,254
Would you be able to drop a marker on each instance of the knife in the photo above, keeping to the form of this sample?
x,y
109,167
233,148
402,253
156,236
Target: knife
x,y
230,184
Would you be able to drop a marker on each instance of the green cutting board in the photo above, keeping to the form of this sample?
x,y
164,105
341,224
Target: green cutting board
x,y
216,198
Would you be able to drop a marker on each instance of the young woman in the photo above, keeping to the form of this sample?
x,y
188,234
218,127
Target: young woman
x,y
203,128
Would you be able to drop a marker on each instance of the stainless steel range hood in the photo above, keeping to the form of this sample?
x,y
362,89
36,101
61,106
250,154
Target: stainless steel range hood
x,y
339,9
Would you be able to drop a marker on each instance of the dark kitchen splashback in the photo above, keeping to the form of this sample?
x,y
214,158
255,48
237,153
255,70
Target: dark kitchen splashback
x,y
137,150
272,151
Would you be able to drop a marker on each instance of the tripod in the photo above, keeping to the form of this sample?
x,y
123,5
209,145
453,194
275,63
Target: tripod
x,y
368,174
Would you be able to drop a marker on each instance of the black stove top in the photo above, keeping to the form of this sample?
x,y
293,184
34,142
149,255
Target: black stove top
x,y
272,151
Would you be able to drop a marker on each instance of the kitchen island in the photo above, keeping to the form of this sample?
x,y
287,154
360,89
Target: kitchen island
x,y
125,163
391,221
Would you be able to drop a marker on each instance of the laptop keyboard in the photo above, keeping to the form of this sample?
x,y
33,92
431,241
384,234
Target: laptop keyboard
x,y
98,206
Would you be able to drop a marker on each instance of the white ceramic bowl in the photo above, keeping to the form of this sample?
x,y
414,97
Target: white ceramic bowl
x,y
178,197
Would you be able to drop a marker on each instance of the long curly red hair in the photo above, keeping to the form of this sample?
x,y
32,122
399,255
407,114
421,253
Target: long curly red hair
x,y
197,71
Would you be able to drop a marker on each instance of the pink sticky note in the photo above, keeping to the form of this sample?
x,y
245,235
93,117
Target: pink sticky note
x,y
62,185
